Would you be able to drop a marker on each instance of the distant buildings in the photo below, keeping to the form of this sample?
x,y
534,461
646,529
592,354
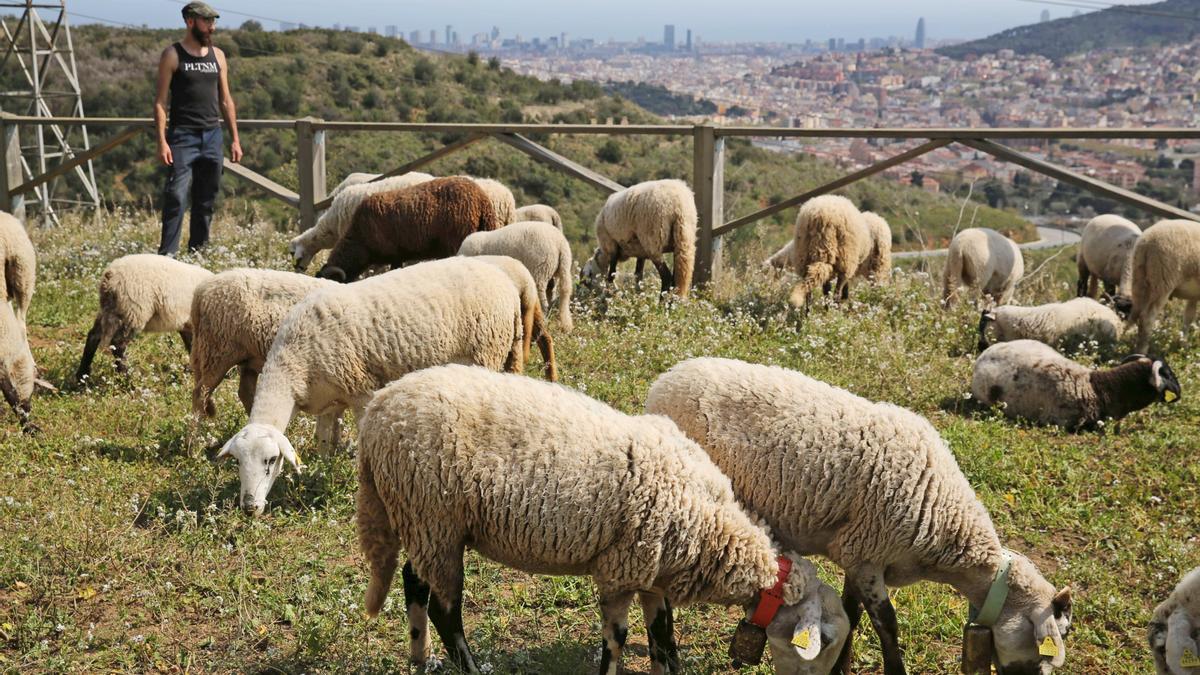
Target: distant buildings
x,y
919,42
669,36
689,39
1045,15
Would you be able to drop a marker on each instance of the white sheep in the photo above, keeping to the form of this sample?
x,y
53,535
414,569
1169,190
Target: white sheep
x,y
333,223
454,456
541,212
340,344
1173,629
870,485
1166,264
19,264
141,293
533,320
235,316
355,178
832,240
17,370
878,265
1035,382
1106,255
501,198
542,249
1056,323
646,221
985,261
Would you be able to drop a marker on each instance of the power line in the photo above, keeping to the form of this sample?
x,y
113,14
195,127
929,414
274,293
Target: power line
x,y
1126,9
100,18
230,11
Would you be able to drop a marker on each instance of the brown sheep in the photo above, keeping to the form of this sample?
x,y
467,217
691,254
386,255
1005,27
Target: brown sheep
x,y
421,222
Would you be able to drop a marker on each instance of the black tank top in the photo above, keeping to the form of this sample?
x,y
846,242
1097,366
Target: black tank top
x,y
194,90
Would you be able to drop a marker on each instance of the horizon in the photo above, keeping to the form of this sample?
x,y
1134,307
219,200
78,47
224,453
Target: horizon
x,y
709,20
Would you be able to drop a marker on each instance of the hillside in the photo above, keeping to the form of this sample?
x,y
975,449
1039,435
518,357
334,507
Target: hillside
x,y
1134,26
352,76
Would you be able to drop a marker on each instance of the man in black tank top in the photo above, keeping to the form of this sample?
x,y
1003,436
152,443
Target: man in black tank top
x,y
194,72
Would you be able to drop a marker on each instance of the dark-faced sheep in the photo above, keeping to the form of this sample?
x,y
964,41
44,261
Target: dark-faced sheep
x,y
422,222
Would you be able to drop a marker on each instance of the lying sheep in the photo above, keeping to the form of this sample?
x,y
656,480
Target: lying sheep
x,y
1035,382
1173,629
878,265
832,241
235,316
870,485
20,265
333,223
542,249
338,345
452,457
17,370
986,262
425,221
1057,323
1166,264
646,221
1105,254
141,293
541,212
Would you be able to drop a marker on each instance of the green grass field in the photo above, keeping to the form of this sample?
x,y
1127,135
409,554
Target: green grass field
x,y
121,549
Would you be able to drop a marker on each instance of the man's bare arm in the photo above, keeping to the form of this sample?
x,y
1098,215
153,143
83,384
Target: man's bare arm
x,y
229,110
167,63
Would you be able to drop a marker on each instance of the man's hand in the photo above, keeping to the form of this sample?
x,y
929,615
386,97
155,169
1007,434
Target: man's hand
x,y
164,154
235,152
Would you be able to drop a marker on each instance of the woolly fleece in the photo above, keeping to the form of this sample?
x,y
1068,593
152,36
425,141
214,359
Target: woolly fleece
x,y
543,250
20,265
648,220
1166,264
985,261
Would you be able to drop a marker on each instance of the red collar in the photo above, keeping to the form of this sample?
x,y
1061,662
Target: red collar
x,y
771,599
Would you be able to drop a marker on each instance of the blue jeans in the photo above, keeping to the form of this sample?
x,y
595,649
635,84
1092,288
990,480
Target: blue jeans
x,y
197,156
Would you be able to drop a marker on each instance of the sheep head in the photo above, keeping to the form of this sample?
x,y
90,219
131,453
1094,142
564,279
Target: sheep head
x,y
1029,633
259,450
594,267
806,635
301,256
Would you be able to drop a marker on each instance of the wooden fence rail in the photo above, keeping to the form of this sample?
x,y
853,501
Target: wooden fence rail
x,y
708,160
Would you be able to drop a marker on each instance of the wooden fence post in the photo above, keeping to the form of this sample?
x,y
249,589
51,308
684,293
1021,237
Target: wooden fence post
x,y
10,169
310,162
708,175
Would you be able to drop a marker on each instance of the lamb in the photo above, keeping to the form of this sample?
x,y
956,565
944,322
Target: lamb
x,y
425,221
333,223
542,249
1056,323
870,485
541,212
17,371
985,261
338,345
141,293
235,316
832,240
1105,254
20,265
1166,264
1173,629
1037,383
645,221
451,456
878,265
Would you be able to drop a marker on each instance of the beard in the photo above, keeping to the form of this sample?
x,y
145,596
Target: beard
x,y
203,37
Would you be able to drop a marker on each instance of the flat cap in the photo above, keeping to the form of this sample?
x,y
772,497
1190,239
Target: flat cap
x,y
200,9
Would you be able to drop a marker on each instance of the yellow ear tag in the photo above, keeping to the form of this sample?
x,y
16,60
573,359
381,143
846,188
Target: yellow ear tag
x,y
801,639
1047,647
1189,660
1169,396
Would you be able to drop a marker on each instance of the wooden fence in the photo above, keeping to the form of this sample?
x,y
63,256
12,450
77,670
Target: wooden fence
x,y
708,160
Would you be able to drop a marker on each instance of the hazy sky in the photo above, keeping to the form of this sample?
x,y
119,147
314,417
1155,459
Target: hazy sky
x,y
620,19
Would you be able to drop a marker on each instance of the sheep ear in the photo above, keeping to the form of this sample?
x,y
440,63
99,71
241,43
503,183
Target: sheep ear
x,y
227,449
1182,651
806,636
333,273
1132,357
1048,639
1156,380
285,447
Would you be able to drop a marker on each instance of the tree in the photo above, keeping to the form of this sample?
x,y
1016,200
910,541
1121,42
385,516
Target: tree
x,y
610,152
917,178
473,57
494,63
252,26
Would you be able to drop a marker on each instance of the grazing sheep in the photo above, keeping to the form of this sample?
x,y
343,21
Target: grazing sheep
x,y
986,262
646,221
338,345
1166,264
17,370
141,293
544,479
501,198
877,266
355,178
1037,383
1106,254
870,485
1056,323
542,249
20,265
533,321
784,258
832,240
1173,629
333,223
429,220
235,316
541,212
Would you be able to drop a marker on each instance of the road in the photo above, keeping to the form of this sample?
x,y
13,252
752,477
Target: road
x,y
1049,237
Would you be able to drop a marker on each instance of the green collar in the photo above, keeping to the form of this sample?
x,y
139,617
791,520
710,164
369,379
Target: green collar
x,y
997,594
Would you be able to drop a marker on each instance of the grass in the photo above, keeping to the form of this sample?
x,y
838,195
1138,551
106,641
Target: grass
x,y
121,550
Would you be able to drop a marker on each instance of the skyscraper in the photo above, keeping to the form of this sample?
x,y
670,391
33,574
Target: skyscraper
x,y
669,36
449,30
689,39
1045,15
919,43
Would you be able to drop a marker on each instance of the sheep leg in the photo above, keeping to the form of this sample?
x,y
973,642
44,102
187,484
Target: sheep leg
x,y
247,384
853,607
1147,319
639,269
545,346
416,599
99,336
119,363
660,631
1109,289
1083,287
1189,316
614,619
664,273
329,431
21,408
186,336
874,594
446,615
612,268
